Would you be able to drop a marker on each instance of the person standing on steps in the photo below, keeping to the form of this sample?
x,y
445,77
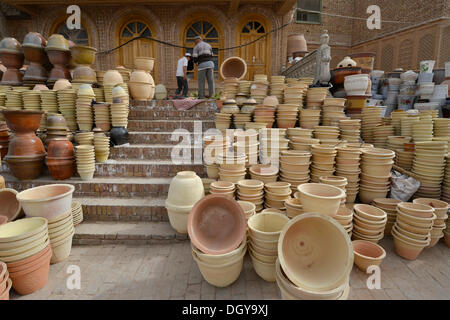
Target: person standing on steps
x,y
203,55
182,82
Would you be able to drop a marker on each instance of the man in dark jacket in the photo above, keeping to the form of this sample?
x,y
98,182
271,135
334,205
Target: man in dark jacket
x,y
202,55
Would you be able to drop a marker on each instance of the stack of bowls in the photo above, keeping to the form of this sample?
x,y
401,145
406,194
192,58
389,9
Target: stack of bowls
x,y
77,213
251,191
223,121
264,173
406,125
273,142
31,100
224,188
302,144
5,282
315,97
249,150
371,118
396,117
264,233
85,157
376,166
60,233
350,130
309,118
244,87
440,210
299,133
369,223
340,182
441,127
445,196
49,104
348,166
101,146
412,229
56,127
119,114
287,115
326,133
429,167
102,116
345,219
277,87
320,198
390,207
264,115
397,142
422,130
381,134
217,228
293,207
315,259
230,107
294,95
240,119
404,159
323,161
294,167
258,91
232,167
84,107
99,95
333,111
66,105
14,100
276,194
230,87
85,138
25,248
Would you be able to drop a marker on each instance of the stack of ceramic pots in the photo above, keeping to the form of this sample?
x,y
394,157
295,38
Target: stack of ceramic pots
x,y
287,115
85,157
315,97
309,118
258,91
350,130
223,121
397,142
49,104
273,142
66,105
99,95
396,117
390,207
264,115
218,248
4,139
299,274
299,133
185,189
232,167
251,191
120,95
244,87
340,182
240,119
348,166
323,161
302,144
445,196
230,107
264,173
14,100
371,118
12,57
412,229
333,111
293,207
422,130
429,167
102,116
381,134
111,79
225,188
85,138
248,107
60,233
101,146
440,210
77,213
58,53
31,100
56,127
25,248
294,167
277,87
60,158
345,218
249,209
84,107
404,159
441,127
369,223
294,95
5,282
142,85
376,166
320,198
326,134
231,87
241,98
276,194
248,150
119,114
264,233
26,152
406,125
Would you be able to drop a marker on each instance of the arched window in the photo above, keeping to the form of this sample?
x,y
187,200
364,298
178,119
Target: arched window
x,y
387,58
210,34
80,36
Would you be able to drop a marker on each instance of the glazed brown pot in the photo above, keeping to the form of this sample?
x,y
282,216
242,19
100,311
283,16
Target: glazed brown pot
x,y
60,148
60,61
61,169
83,55
22,120
25,168
340,74
13,62
37,57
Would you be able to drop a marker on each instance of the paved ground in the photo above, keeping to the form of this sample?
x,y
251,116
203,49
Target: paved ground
x,y
169,272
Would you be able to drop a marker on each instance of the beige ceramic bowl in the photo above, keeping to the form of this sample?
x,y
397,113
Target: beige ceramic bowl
x,y
265,270
367,254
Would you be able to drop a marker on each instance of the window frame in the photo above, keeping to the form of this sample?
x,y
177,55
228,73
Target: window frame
x,y
297,10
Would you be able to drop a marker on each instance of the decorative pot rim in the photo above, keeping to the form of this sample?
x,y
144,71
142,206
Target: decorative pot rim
x,y
69,192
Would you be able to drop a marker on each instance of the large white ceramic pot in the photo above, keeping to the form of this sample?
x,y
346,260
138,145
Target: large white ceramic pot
x,y
49,201
320,198
140,90
356,85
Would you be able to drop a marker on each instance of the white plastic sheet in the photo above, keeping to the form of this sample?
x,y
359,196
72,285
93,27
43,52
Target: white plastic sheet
x,y
403,187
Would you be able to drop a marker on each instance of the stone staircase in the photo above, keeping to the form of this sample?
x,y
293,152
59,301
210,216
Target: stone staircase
x,y
125,200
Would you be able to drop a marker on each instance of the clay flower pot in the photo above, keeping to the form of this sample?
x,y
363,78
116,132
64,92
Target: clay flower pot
x,y
144,63
10,207
233,67
263,269
140,91
267,226
356,85
221,258
12,58
47,201
83,55
5,294
416,210
440,207
315,252
406,249
367,254
61,169
217,224
320,198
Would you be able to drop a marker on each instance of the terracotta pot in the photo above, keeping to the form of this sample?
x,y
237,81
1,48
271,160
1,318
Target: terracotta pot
x,y
30,262
406,249
320,198
60,60
233,67
10,208
47,201
83,55
296,43
217,224
12,58
302,243
5,294
144,63
267,226
416,210
222,258
61,169
367,254
440,207
369,212
60,148
26,168
33,49
265,270
140,90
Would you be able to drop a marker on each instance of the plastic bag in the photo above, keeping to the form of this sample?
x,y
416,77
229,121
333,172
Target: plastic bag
x,y
403,187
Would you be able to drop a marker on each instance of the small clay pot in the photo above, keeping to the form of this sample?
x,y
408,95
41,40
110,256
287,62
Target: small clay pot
x,y
60,148
61,169
10,207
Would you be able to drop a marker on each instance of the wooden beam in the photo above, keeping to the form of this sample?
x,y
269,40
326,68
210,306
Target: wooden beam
x,y
286,6
234,5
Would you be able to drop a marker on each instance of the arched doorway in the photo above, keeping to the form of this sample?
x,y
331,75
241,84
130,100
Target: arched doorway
x,y
129,29
210,32
257,54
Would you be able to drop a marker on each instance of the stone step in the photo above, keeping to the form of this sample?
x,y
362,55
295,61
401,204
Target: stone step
x,y
151,138
117,209
100,186
148,152
102,232
159,110
169,125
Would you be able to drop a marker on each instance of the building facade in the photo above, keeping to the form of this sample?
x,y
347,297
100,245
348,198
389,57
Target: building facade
x,y
232,23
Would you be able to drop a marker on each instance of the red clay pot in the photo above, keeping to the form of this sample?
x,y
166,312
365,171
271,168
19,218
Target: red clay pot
x,y
21,121
60,148
32,279
29,260
5,294
61,169
13,62
3,220
41,258
26,168
60,61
